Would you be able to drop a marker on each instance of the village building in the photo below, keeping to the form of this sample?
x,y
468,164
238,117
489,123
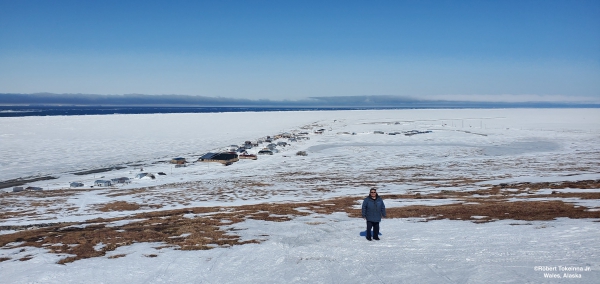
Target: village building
x,y
265,151
76,184
102,182
178,161
225,158
248,156
120,180
145,176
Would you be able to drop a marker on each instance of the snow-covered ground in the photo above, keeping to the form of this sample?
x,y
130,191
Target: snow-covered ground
x,y
457,152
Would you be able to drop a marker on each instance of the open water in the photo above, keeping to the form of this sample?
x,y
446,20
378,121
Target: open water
x,y
18,111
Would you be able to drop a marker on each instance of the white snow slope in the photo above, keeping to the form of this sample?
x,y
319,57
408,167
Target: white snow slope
x,y
479,147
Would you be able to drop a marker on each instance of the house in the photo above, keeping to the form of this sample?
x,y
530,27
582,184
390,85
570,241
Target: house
x,y
29,188
145,176
225,158
272,146
102,182
281,143
265,151
378,132
76,184
178,161
120,180
301,153
248,156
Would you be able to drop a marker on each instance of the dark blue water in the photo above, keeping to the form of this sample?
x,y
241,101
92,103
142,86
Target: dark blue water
x,y
18,111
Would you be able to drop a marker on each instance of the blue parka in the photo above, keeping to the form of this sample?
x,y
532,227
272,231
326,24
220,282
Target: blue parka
x,y
373,209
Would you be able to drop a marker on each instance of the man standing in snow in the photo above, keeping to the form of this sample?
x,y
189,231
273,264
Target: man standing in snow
x,y
372,211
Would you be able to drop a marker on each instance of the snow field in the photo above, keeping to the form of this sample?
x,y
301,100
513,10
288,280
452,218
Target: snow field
x,y
466,150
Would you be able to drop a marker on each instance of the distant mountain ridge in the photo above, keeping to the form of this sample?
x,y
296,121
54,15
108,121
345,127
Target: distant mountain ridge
x,y
377,101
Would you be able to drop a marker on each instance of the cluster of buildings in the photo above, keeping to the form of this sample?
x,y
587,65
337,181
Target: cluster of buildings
x,y
234,153
406,133
230,155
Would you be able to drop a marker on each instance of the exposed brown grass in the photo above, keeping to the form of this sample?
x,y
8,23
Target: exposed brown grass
x,y
584,184
175,229
495,210
119,206
26,258
124,193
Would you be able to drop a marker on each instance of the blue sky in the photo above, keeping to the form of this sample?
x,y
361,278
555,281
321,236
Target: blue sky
x,y
289,50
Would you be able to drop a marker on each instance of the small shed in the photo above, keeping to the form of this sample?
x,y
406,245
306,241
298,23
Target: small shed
x,y
76,184
17,189
178,161
102,182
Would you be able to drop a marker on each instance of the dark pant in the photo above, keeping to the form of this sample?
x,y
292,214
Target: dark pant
x,y
375,226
